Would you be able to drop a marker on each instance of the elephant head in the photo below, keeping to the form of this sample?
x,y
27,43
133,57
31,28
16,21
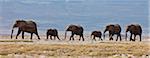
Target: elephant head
x,y
17,24
133,29
128,28
78,30
108,28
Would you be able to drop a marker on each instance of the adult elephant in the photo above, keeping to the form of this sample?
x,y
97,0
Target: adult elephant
x,y
25,26
114,29
134,29
76,30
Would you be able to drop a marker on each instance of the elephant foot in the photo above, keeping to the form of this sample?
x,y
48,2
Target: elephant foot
x,y
82,39
100,39
58,39
94,39
120,40
132,39
79,39
111,39
51,39
70,39
39,38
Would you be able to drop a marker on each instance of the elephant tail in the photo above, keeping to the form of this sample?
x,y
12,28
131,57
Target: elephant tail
x,y
12,33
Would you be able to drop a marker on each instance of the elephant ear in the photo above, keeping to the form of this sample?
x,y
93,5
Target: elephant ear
x,y
117,28
133,28
110,27
73,27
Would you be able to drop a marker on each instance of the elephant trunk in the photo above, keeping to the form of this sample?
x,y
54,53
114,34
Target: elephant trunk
x,y
65,34
104,33
91,36
12,32
104,36
126,36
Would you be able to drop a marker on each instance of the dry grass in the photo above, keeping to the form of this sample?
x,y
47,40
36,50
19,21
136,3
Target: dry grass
x,y
99,49
16,41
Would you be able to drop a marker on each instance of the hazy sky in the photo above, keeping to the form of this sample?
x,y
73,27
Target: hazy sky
x,y
88,13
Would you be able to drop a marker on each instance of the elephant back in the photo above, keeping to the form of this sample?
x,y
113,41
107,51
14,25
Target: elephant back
x,y
29,26
110,27
52,32
96,33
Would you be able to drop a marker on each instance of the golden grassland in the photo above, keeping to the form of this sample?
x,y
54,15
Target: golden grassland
x,y
70,48
98,49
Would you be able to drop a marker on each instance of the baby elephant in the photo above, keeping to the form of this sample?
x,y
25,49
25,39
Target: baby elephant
x,y
52,32
96,34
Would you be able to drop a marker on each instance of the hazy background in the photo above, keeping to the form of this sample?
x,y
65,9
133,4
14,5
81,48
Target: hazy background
x,y
91,14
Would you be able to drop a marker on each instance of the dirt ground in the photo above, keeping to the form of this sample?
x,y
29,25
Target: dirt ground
x,y
26,48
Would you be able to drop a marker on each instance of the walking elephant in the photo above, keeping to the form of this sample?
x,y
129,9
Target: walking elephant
x,y
25,26
96,34
134,29
114,29
52,32
76,30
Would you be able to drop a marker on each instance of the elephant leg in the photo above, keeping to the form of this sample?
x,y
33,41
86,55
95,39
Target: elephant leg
x,y
31,36
131,37
100,38
54,37
82,37
117,37
37,35
72,36
134,37
23,35
47,36
120,37
19,31
140,37
51,37
111,37
58,37
94,38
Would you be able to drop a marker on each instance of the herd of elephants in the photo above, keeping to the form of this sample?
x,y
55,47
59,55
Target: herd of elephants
x,y
113,29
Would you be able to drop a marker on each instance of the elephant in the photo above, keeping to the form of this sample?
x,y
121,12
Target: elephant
x,y
25,26
96,34
134,29
114,29
76,30
52,32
